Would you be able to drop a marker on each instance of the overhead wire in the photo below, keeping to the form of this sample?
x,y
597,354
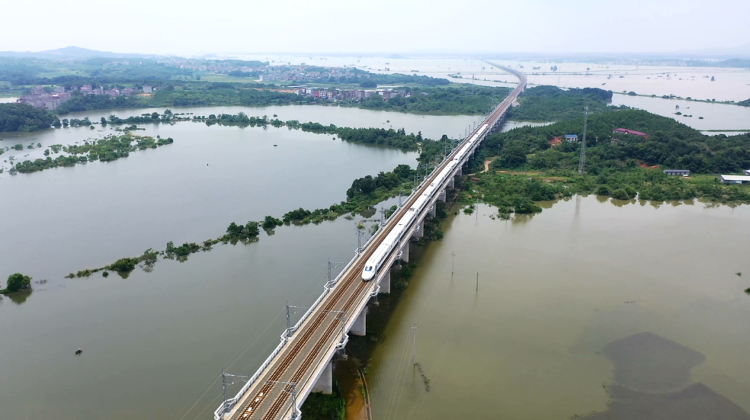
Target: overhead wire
x,y
254,341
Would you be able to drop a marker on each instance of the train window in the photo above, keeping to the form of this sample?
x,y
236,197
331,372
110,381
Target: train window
x,y
368,268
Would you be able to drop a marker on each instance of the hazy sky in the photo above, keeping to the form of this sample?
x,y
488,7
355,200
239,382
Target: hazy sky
x,y
164,27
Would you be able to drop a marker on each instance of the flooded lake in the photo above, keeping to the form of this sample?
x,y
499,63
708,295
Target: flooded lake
x,y
188,191
730,84
537,336
546,332
155,342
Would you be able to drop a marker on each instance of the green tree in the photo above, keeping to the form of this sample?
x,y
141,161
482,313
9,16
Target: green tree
x,y
513,157
270,223
24,117
124,265
251,229
18,282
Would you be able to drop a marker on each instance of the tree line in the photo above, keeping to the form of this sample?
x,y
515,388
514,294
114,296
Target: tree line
x,y
550,103
24,117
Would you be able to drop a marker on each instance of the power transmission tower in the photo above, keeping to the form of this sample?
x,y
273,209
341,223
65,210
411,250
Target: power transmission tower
x,y
582,161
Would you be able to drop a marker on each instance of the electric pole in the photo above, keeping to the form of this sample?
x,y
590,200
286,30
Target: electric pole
x,y
225,385
414,352
359,240
453,257
582,161
224,390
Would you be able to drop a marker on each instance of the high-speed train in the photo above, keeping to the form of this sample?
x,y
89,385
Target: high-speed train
x,y
399,232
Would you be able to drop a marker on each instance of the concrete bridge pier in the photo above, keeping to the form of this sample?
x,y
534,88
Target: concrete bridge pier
x,y
433,213
419,232
360,324
452,182
385,282
460,170
441,196
405,251
324,383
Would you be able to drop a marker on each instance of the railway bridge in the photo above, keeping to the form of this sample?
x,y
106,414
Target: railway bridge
x,y
301,363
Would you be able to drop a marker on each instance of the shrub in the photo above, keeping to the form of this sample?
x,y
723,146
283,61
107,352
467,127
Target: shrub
x,y
124,265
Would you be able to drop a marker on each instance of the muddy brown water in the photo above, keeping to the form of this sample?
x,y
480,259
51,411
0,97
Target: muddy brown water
x,y
570,303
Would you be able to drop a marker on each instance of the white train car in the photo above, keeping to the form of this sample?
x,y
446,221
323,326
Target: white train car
x,y
396,235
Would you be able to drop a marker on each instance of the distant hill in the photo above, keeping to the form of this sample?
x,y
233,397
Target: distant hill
x,y
70,53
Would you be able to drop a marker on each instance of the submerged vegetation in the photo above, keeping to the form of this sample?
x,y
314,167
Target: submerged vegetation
x,y
106,149
17,283
361,196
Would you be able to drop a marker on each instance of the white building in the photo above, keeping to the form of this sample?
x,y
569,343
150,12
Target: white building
x,y
735,179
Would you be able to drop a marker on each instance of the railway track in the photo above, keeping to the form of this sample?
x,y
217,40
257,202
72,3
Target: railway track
x,y
349,290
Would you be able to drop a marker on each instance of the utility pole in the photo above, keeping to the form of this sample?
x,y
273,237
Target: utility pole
x,y
582,161
414,352
294,395
359,240
224,390
289,314
477,281
399,197
453,257
288,318
382,215
341,315
225,385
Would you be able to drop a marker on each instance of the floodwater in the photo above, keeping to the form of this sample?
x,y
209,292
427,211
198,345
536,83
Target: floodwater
x,y
729,84
715,116
188,191
155,343
67,219
554,291
431,126
572,306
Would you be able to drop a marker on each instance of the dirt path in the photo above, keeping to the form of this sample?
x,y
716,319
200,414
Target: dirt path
x,y
487,164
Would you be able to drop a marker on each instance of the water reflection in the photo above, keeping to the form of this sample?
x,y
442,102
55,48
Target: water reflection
x,y
19,297
653,381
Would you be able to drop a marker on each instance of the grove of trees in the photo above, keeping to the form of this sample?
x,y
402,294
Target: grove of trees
x,y
24,117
